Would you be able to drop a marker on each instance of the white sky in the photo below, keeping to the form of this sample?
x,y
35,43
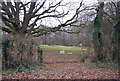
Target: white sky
x,y
76,4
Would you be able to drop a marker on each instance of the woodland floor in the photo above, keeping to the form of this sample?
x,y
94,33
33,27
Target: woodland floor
x,y
78,70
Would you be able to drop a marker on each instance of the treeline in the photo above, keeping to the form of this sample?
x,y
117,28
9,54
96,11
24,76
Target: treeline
x,y
66,39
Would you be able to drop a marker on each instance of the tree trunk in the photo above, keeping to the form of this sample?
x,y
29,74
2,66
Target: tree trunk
x,y
21,54
116,50
97,36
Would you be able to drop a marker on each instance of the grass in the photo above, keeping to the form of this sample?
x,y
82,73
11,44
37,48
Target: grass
x,y
67,49
75,50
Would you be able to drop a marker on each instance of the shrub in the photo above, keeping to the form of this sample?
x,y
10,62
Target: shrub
x,y
19,52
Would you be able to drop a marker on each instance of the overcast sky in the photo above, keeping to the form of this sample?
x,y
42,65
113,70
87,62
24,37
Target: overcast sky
x,y
76,4
72,12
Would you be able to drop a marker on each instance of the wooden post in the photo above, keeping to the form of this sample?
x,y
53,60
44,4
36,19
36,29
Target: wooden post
x,y
40,55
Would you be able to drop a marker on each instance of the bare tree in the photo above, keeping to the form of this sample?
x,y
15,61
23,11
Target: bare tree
x,y
22,18
112,15
27,19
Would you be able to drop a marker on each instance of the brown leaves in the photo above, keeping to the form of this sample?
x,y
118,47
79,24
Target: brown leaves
x,y
68,71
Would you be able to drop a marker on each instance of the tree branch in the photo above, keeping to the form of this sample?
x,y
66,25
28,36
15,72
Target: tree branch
x,y
5,29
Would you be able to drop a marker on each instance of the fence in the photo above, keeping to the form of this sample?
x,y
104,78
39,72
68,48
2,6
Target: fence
x,y
57,57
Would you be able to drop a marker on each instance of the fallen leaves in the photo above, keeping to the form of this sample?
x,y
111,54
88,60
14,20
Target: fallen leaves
x,y
69,71
66,71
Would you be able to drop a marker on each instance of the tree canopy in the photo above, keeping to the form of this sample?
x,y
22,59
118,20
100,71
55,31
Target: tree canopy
x,y
23,17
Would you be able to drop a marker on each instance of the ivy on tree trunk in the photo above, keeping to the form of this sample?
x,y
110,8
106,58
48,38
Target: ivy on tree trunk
x,y
116,37
97,38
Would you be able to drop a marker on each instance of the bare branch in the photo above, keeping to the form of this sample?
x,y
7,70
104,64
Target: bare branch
x,y
47,10
109,15
39,8
12,8
5,29
28,16
32,6
70,32
12,16
6,9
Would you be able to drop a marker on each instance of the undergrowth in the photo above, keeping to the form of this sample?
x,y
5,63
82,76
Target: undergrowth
x,y
104,66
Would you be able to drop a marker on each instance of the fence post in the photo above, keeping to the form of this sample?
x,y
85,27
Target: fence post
x,y
40,55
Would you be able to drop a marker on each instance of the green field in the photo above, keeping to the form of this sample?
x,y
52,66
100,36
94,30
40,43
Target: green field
x,y
67,49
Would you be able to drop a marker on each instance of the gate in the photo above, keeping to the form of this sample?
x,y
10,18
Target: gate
x,y
57,57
